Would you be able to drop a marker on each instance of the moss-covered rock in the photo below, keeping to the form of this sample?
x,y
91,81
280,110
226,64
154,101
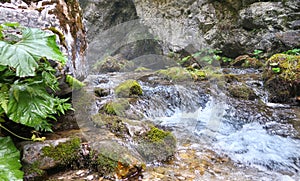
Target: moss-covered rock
x,y
113,64
242,91
129,88
116,107
66,153
111,158
157,145
176,74
282,77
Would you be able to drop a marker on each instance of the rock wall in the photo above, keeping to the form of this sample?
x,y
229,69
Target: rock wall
x,y
64,15
236,27
113,28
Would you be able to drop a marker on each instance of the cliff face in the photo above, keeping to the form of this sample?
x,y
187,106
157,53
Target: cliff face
x,y
234,26
64,15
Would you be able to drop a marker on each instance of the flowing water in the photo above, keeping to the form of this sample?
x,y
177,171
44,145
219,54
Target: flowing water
x,y
219,137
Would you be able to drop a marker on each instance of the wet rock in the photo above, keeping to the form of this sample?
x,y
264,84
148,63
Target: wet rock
x,y
63,15
157,145
32,153
100,92
40,157
176,74
242,91
282,77
111,157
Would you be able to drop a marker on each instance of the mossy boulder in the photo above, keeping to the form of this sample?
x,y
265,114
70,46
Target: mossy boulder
x,y
282,77
116,107
245,61
112,64
129,88
109,158
241,91
157,145
65,154
177,74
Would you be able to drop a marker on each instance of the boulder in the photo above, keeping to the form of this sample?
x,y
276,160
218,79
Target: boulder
x,y
282,77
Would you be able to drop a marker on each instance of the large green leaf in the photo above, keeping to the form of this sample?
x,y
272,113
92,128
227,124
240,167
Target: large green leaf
x,y
9,161
31,105
23,55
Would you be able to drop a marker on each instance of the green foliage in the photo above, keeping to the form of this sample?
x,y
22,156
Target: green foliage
x,y
276,69
9,161
295,51
24,54
257,53
206,56
26,77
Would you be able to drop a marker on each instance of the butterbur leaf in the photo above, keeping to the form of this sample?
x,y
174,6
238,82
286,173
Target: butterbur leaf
x,y
31,108
9,161
23,55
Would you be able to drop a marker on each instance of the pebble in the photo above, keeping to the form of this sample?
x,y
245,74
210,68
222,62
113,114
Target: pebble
x,y
80,173
90,177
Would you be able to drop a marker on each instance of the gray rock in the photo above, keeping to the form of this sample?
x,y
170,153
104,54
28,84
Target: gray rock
x,y
32,153
113,28
235,27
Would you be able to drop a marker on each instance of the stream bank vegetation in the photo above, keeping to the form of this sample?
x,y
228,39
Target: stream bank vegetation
x,y
29,63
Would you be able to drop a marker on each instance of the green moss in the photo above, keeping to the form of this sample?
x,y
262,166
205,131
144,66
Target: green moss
x,y
74,83
175,74
66,153
142,69
104,162
157,135
33,170
116,107
198,74
129,88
